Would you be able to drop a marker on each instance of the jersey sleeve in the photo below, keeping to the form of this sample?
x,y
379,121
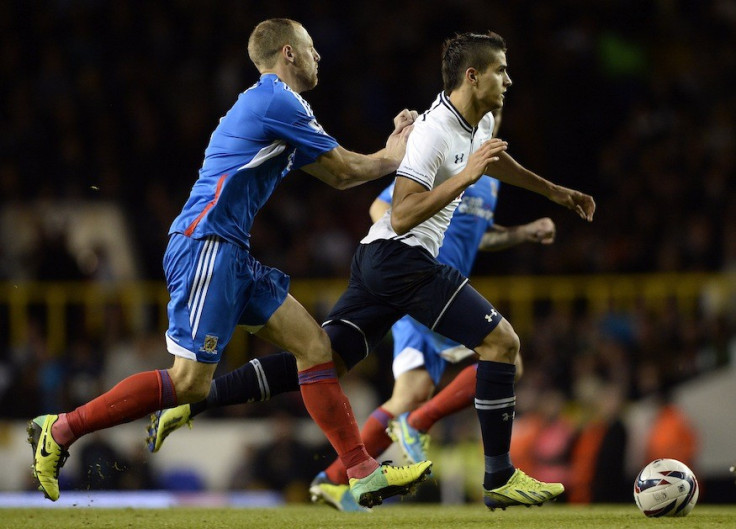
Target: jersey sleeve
x,y
290,118
387,194
425,152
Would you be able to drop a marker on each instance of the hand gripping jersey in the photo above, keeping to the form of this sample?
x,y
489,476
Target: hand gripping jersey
x,y
438,148
269,131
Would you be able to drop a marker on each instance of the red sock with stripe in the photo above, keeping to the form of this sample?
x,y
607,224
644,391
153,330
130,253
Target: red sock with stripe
x,y
133,398
330,409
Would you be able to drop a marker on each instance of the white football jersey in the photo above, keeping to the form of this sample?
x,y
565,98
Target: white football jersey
x,y
438,148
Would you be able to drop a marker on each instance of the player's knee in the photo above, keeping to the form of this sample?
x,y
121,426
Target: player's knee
x,y
509,344
340,366
519,368
501,345
347,343
317,350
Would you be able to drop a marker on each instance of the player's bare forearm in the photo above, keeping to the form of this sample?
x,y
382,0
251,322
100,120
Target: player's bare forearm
x,y
511,172
343,169
412,204
540,231
580,203
501,238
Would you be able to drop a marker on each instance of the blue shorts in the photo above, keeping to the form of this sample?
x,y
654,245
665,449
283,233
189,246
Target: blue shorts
x,y
416,346
389,279
215,285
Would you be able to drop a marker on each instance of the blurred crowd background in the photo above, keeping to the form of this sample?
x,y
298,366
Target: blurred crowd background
x,y
108,106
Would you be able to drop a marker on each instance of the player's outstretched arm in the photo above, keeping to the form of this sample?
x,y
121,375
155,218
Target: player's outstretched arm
x,y
343,169
580,203
511,172
540,231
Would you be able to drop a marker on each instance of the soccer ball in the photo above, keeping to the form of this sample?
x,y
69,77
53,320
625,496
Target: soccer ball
x,y
666,487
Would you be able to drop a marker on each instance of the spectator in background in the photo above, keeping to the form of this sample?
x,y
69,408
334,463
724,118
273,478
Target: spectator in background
x,y
551,451
138,474
83,95
285,464
527,425
597,468
671,434
52,260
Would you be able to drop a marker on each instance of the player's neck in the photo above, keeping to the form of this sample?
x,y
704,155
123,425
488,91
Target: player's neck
x,y
468,107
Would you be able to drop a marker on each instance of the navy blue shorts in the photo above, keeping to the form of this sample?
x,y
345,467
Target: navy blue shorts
x,y
389,279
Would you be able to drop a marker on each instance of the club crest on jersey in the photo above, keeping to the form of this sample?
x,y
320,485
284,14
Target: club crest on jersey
x,y
210,344
459,157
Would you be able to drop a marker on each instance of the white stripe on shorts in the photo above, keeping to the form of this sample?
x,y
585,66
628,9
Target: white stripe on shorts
x,y
202,279
197,276
447,305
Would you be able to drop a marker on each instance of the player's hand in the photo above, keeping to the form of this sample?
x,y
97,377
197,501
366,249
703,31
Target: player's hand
x,y
580,203
486,155
405,118
541,231
396,143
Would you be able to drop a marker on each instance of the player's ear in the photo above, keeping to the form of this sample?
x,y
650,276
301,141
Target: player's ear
x,y
471,75
288,53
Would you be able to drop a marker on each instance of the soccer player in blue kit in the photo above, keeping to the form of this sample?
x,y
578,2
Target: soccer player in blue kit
x,y
215,283
395,271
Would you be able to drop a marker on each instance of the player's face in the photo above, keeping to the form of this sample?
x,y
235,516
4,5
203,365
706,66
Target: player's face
x,y
305,60
493,82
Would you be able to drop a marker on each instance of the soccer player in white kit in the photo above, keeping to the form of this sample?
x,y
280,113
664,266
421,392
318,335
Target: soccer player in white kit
x,y
395,270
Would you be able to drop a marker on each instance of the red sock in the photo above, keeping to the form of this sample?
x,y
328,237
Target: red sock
x,y
330,409
131,399
458,394
374,437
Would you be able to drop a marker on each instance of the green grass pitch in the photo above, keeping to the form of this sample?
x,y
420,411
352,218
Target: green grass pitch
x,y
426,516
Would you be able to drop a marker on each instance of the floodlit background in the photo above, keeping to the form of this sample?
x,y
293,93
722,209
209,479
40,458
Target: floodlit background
x,y
107,107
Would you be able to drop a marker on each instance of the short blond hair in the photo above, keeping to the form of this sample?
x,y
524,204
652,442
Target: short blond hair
x,y
268,38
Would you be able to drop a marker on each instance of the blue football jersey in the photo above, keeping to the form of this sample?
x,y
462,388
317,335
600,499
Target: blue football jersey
x,y
472,218
269,131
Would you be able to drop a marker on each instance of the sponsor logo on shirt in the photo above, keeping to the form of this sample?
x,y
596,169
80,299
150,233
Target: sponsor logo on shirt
x,y
474,206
